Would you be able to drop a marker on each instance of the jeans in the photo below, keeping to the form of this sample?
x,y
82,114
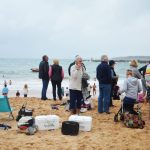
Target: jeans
x,y
44,89
104,97
59,91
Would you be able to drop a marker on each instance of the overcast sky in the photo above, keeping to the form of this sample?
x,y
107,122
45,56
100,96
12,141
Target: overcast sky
x,y
64,28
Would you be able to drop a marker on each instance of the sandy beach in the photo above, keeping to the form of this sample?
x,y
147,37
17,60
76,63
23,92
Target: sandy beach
x,y
105,134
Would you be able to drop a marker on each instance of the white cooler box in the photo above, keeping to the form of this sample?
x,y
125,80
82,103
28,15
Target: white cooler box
x,y
85,122
47,122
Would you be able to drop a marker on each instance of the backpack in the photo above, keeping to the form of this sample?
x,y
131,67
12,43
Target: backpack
x,y
24,112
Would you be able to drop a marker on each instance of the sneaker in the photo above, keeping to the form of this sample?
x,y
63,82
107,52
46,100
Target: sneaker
x,y
82,110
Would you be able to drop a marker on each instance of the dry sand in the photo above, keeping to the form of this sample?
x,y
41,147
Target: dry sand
x,y
105,134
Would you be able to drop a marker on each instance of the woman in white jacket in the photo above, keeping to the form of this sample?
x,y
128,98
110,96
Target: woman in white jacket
x,y
75,86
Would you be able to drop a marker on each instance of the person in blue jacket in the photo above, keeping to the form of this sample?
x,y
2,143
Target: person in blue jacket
x,y
5,90
103,74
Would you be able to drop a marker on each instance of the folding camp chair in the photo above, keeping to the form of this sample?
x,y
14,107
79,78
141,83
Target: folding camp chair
x,y
5,106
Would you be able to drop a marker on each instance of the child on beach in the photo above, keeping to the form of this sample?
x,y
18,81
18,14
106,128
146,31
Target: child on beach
x,y
10,82
94,89
5,90
131,88
25,90
17,93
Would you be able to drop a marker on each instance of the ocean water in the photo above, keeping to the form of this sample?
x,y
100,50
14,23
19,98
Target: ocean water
x,y
19,72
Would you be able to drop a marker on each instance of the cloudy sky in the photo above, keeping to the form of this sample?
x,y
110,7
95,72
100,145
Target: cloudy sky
x,y
64,28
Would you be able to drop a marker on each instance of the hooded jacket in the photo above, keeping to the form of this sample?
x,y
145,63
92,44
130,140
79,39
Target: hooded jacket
x,y
131,87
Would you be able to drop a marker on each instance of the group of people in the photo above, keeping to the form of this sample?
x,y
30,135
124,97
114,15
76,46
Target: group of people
x,y
55,73
106,76
131,87
5,90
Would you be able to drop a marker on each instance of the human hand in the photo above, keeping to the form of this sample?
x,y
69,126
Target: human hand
x,y
78,66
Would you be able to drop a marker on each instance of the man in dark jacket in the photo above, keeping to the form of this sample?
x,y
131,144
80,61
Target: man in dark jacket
x,y
103,74
43,74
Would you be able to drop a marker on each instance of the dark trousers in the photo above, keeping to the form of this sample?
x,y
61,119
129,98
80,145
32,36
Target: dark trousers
x,y
148,93
58,84
128,107
111,94
128,104
44,89
75,99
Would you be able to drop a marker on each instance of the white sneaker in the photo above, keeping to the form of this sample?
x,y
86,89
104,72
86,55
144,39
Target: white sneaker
x,y
82,110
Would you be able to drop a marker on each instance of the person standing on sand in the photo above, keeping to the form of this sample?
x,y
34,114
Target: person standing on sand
x,y
10,82
25,90
5,90
56,74
94,89
103,74
76,73
17,93
43,74
114,80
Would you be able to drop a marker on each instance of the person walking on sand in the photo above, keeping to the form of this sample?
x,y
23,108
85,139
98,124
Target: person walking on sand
x,y
76,72
103,74
43,74
25,90
56,74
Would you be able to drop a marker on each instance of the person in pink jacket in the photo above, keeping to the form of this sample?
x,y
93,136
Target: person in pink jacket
x,y
56,74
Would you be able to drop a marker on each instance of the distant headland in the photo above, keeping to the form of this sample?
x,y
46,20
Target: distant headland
x,y
140,59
